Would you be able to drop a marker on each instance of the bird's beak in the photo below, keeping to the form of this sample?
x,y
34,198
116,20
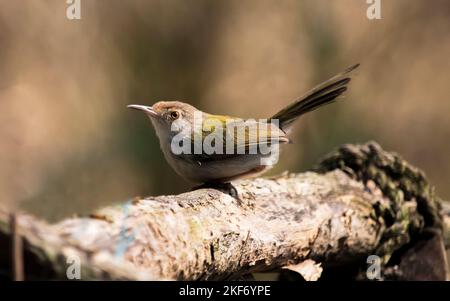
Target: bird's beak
x,y
148,110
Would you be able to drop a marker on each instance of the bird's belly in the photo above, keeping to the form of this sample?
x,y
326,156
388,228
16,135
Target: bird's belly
x,y
223,170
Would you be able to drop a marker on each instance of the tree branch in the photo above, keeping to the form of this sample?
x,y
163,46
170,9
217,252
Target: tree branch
x,y
359,201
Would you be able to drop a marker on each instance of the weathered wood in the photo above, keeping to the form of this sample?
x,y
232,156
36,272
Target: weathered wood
x,y
359,201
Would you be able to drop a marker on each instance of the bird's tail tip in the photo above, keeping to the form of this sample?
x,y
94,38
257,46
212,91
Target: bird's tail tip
x,y
351,68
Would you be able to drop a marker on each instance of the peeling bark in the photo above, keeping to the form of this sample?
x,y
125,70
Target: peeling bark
x,y
359,201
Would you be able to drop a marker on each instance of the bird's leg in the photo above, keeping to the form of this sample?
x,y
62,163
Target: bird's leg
x,y
227,188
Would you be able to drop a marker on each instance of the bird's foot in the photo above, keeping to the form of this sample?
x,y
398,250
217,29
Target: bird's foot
x,y
227,188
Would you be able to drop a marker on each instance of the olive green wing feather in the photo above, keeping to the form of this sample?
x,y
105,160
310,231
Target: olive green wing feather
x,y
229,137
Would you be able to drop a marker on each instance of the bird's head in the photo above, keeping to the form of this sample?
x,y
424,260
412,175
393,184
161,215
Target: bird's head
x,y
169,117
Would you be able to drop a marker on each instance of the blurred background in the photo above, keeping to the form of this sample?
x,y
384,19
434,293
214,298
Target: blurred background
x,y
68,145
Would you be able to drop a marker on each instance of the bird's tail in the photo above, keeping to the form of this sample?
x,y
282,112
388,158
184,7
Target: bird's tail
x,y
322,94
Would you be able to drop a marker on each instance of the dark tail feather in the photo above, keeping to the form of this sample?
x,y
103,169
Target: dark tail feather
x,y
323,94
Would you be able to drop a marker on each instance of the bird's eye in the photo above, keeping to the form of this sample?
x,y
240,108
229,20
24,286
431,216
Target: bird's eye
x,y
174,115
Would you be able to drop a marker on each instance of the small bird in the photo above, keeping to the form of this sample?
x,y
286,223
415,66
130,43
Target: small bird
x,y
180,126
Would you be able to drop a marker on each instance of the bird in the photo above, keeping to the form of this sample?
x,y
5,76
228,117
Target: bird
x,y
213,149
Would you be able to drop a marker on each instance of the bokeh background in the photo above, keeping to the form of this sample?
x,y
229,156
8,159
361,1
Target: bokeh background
x,y
68,144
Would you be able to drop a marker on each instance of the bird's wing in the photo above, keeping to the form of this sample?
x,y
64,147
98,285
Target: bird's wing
x,y
228,137
250,132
